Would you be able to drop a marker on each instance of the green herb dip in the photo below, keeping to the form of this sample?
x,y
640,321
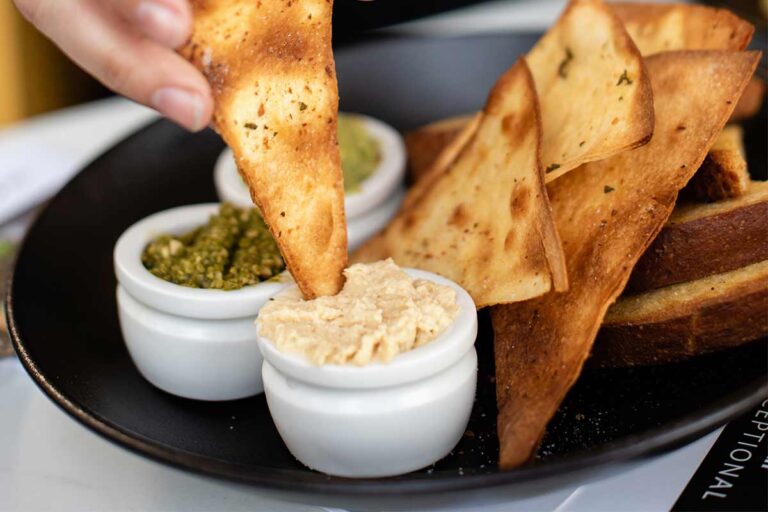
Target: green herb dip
x,y
360,152
234,249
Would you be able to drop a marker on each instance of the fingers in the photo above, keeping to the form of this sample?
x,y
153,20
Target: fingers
x,y
102,42
168,22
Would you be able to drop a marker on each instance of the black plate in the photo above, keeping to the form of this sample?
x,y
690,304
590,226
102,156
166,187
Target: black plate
x,y
64,323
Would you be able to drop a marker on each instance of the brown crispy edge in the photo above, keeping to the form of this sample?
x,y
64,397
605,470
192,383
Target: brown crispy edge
x,y
550,238
720,322
705,246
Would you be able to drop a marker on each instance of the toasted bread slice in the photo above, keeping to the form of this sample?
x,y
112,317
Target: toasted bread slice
x,y
686,319
704,239
723,174
271,70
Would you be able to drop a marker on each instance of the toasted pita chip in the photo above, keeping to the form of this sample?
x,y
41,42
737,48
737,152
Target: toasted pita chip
x,y
271,69
595,95
424,144
724,174
665,27
607,213
485,222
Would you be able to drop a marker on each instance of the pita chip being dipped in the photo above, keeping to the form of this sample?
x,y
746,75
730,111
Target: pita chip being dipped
x,y
271,69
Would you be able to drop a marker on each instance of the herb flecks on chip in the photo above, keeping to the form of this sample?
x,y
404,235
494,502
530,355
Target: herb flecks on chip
x,y
562,69
624,79
272,63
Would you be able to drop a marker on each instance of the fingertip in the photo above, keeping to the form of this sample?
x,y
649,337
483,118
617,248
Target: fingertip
x,y
190,109
169,23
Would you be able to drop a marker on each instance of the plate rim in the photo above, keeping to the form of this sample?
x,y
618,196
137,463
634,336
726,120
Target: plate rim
x,y
649,443
689,427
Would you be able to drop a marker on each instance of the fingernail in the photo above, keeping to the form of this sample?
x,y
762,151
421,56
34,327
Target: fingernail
x,y
184,107
161,23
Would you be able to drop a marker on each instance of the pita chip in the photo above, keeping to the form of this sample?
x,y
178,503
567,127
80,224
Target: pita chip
x,y
271,69
658,27
607,213
484,221
595,95
593,88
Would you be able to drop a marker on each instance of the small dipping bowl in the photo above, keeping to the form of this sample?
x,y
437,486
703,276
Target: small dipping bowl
x,y
381,419
190,342
368,209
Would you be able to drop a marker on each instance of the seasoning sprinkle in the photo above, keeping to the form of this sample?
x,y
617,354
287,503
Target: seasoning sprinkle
x,y
551,168
608,189
624,78
562,68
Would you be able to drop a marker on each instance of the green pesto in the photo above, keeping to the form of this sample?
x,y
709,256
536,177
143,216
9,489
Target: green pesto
x,y
6,248
360,152
234,249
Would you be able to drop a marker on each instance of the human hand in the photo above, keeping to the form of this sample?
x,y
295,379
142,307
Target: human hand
x,y
128,45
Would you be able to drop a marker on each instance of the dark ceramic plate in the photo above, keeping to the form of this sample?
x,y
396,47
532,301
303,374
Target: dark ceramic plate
x,y
64,322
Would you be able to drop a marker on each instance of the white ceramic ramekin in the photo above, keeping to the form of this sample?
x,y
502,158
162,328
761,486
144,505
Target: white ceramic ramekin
x,y
368,210
190,342
382,419
363,227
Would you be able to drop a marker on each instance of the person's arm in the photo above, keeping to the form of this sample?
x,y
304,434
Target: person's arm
x,y
128,45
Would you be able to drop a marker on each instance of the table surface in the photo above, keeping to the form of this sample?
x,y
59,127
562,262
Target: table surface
x,y
49,462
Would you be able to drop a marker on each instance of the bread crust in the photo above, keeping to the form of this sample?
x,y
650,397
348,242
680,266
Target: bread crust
x,y
723,174
692,326
703,246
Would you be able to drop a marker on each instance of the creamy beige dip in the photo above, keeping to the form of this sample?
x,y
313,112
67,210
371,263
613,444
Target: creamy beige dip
x,y
380,312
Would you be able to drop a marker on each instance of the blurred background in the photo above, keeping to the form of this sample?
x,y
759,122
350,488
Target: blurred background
x,y
38,78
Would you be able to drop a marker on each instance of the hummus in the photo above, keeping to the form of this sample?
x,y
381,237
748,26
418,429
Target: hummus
x,y
380,312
